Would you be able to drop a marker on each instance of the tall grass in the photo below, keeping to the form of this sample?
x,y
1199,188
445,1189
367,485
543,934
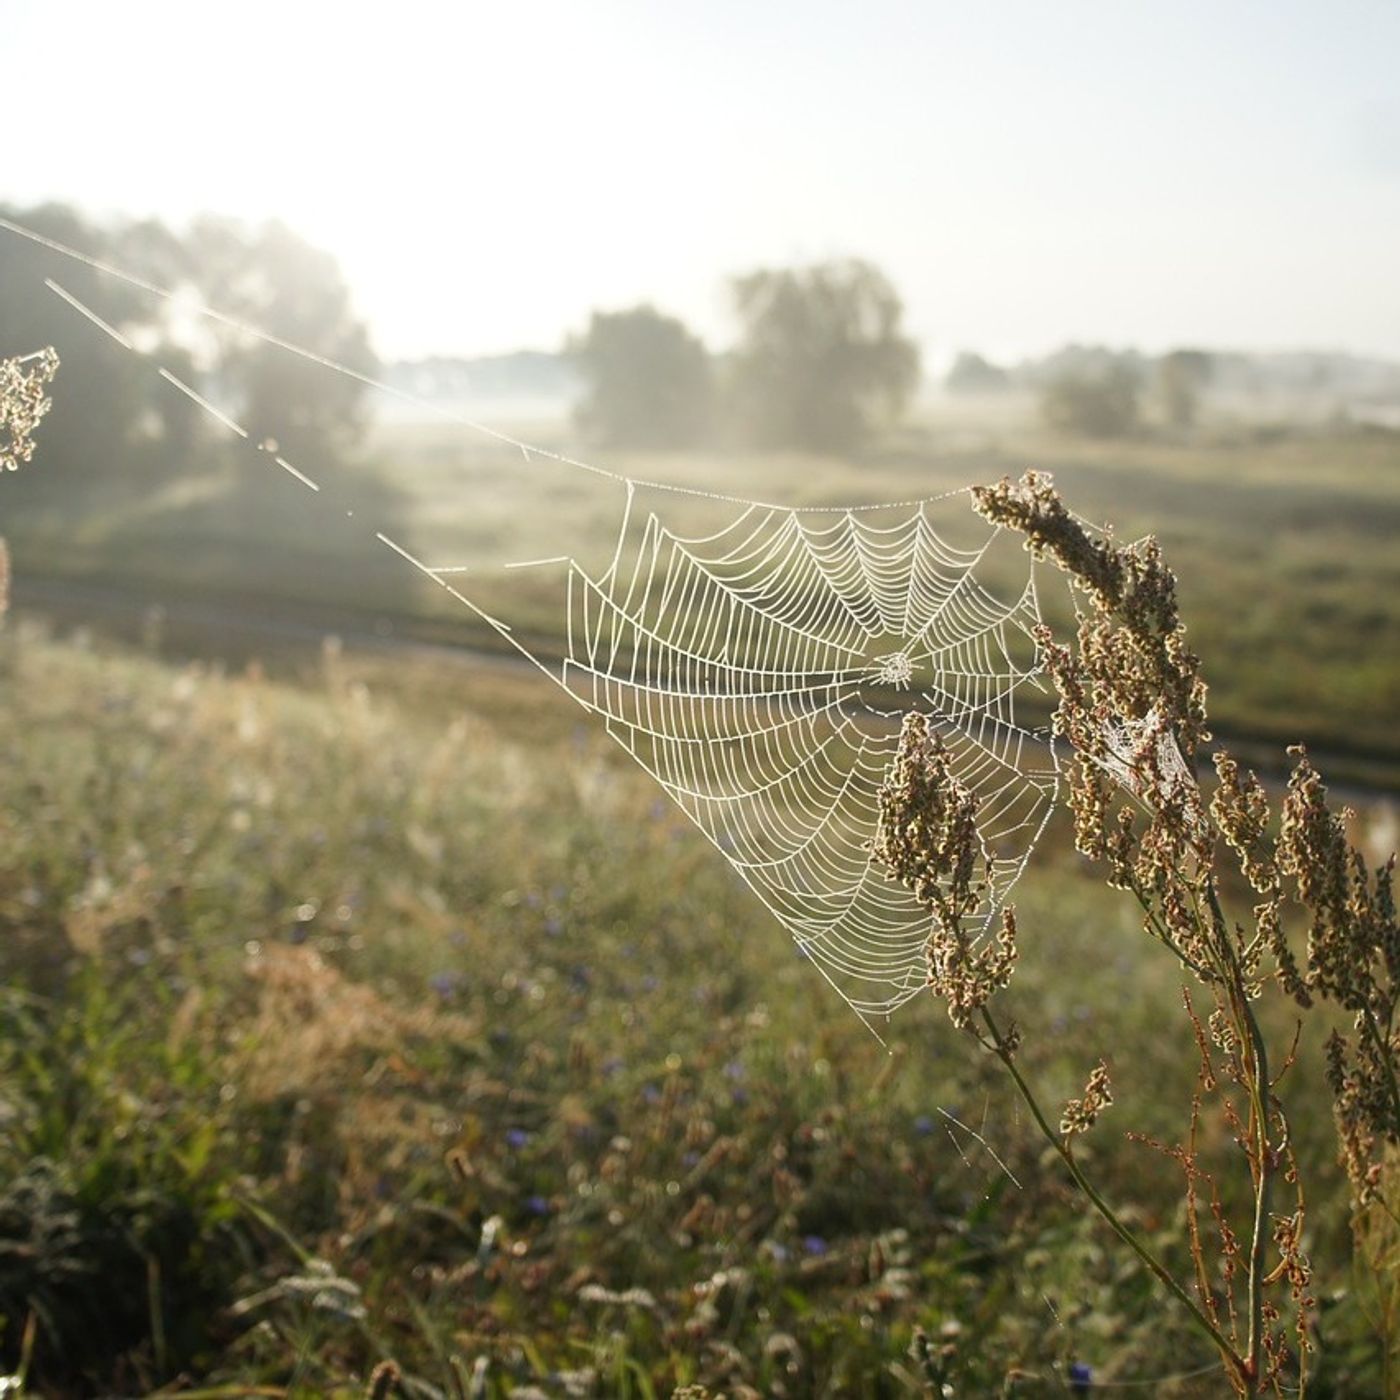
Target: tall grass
x,y
389,1014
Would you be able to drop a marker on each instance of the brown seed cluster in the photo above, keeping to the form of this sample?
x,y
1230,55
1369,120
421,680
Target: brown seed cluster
x,y
926,837
24,383
1136,667
1082,1113
1132,706
1353,959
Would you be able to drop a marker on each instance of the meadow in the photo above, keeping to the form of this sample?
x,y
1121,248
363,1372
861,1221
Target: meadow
x,y
1282,537
368,1006
383,1011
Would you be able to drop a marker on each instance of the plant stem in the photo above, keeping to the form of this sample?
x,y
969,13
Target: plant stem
x,y
1234,1363
1258,1088
1386,1056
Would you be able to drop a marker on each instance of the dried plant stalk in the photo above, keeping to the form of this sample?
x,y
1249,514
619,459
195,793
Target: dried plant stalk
x,y
1132,706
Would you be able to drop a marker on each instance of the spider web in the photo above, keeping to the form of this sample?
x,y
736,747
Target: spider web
x,y
759,672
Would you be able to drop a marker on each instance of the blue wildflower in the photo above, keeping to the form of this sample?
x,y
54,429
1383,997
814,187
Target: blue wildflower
x,y
923,1125
1081,1377
538,1205
814,1245
516,1138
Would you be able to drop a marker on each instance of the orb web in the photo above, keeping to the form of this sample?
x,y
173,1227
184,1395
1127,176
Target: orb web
x,y
759,673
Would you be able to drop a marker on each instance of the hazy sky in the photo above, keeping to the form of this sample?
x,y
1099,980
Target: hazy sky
x,y
1218,173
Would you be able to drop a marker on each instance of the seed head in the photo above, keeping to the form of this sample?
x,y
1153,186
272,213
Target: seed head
x,y
24,400
926,837
1082,1113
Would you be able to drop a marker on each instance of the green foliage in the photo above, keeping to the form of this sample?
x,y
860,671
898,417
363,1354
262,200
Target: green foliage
x,y
119,1235
650,382
822,359
492,1048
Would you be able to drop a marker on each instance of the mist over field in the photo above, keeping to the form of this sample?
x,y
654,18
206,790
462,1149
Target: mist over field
x,y
561,835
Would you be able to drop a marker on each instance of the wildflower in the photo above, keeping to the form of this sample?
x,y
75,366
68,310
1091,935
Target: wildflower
x,y
814,1245
537,1205
1081,1378
516,1138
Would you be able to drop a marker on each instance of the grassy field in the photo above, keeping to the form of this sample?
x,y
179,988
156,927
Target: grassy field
x,y
1283,538
383,1011
364,1005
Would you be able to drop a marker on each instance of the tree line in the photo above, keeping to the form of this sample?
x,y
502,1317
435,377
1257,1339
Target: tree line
x,y
1089,391
822,362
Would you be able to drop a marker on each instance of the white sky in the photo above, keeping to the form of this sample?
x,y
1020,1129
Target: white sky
x,y
1222,173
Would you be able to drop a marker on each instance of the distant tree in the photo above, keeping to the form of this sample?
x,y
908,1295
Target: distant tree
x,y
972,374
649,381
1101,402
134,427
822,357
272,279
1182,376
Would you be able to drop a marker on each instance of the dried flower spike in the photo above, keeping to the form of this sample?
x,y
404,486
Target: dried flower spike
x,y
1082,1113
24,400
926,837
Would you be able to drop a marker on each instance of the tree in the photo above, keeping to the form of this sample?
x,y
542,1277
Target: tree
x,y
1181,377
1099,402
650,381
136,428
823,357
272,279
972,374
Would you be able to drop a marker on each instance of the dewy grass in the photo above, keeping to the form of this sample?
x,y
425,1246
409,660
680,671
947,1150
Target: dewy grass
x,y
1132,708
